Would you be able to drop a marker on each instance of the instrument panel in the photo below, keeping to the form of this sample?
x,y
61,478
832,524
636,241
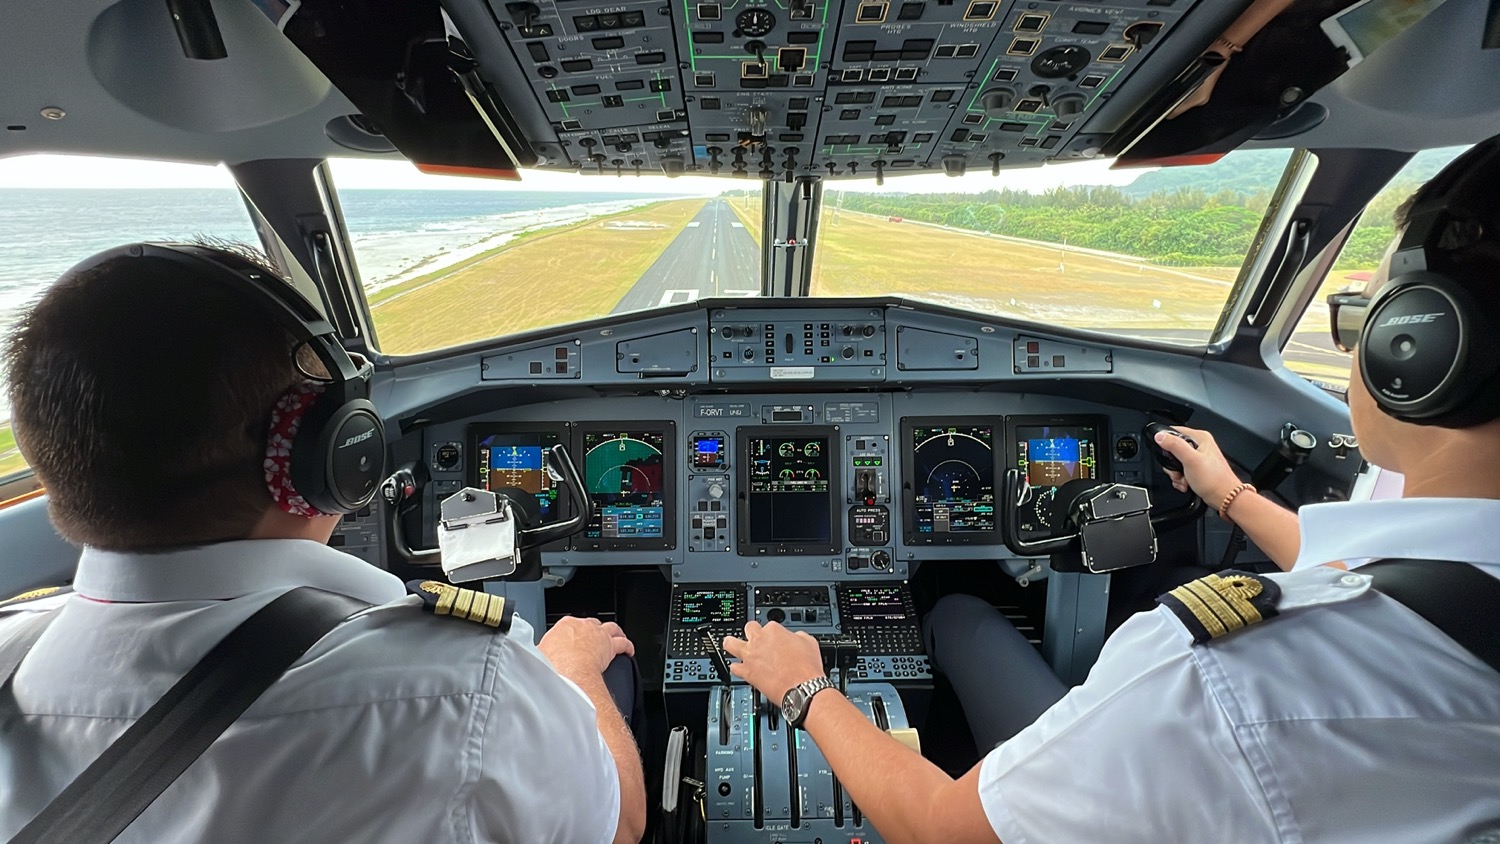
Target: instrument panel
x,y
754,487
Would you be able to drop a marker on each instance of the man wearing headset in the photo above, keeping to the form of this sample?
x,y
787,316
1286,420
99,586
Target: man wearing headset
x,y
1345,718
159,402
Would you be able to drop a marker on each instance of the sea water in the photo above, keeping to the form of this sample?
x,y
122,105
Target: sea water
x,y
397,234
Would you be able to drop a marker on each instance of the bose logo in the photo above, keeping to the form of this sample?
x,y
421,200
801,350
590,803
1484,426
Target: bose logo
x,y
1409,320
358,438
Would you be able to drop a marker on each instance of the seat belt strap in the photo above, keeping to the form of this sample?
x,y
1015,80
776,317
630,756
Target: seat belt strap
x,y
1456,598
16,641
131,773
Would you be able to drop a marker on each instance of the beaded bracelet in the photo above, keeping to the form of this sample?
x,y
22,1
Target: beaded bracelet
x,y
1229,499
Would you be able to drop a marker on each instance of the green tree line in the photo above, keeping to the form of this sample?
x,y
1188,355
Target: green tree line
x,y
1186,227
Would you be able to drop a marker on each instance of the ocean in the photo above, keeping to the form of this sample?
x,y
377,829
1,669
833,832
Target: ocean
x,y
397,234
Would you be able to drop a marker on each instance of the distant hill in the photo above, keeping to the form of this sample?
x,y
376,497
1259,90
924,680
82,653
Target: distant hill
x,y
1247,172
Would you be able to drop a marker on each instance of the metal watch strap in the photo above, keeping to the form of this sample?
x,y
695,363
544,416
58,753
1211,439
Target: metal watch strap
x,y
809,689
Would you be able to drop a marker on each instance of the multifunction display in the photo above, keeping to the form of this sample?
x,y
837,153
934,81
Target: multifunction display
x,y
711,606
860,604
788,488
511,462
950,480
628,474
1050,455
709,452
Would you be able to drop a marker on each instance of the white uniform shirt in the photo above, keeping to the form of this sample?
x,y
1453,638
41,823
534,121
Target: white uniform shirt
x,y
398,726
1347,718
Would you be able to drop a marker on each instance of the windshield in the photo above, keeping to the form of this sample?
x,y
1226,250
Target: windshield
x,y
1148,253
447,260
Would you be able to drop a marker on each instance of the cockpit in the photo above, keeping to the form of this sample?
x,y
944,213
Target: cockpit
x,y
836,307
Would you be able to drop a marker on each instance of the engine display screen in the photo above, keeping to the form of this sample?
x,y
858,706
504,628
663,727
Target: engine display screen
x,y
511,463
789,488
711,606
1050,455
627,474
950,469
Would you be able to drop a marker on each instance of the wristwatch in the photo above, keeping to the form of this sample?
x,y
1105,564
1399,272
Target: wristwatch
x,y
794,706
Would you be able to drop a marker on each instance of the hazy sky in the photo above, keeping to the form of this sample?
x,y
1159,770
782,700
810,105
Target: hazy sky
x,y
48,171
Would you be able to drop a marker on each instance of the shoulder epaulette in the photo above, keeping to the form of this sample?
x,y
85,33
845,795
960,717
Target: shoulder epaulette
x,y
1212,606
441,598
35,595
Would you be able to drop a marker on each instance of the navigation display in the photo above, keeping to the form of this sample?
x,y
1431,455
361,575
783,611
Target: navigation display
x,y
627,472
1050,454
950,480
789,483
509,461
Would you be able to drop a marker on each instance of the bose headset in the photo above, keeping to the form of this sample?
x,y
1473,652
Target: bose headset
x,y
338,453
1429,352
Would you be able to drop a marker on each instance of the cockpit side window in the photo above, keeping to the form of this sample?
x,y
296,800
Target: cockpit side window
x,y
1320,346
57,210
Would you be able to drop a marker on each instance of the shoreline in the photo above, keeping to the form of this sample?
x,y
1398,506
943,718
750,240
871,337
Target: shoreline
x,y
447,250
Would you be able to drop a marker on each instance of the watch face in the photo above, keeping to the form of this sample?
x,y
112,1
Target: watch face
x,y
793,704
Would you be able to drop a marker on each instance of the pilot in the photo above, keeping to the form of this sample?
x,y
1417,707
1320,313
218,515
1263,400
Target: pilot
x,y
1342,716
142,393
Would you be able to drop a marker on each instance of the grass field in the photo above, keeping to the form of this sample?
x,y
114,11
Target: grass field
x,y
751,217
865,255
11,460
551,277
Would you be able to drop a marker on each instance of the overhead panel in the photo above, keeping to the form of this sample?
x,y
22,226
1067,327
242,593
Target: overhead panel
x,y
1051,66
607,79
836,89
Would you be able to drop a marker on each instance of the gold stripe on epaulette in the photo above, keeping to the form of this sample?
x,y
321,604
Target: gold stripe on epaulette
x,y
35,593
496,612
1218,604
467,604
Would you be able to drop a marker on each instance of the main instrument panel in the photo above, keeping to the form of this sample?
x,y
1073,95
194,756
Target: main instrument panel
x,y
762,444
753,487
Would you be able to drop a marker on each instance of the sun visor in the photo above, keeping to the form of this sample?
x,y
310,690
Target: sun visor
x,y
1259,75
415,84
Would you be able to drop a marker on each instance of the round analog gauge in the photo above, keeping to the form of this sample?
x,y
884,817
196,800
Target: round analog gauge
x,y
786,449
813,449
1060,61
813,474
447,456
1044,507
788,474
755,23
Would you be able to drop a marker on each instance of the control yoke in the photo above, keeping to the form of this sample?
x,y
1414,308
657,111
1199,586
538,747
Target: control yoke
x,y
480,532
1098,526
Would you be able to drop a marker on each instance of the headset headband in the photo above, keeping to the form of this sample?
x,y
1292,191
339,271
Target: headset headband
x,y
1430,225
267,293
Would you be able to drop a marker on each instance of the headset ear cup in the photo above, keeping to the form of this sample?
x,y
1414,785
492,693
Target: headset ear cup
x,y
1428,352
339,455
